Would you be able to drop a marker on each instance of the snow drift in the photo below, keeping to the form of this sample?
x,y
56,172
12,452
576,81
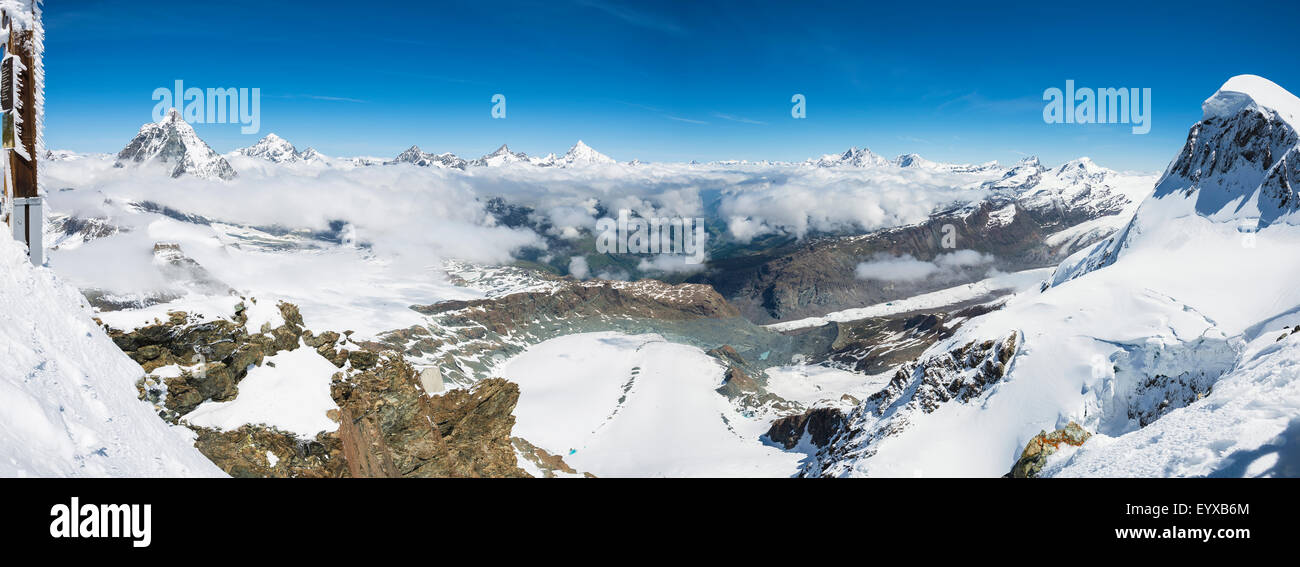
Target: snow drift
x,y
68,393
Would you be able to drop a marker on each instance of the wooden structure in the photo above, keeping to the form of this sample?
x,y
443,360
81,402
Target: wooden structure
x,y
19,87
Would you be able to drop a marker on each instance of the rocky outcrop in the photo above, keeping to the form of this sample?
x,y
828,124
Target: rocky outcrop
x,y
260,452
820,424
645,298
390,428
746,384
1042,446
877,344
388,425
961,375
185,273
214,355
551,466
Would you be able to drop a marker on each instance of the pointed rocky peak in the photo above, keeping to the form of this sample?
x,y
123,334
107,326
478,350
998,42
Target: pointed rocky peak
x,y
173,143
412,154
310,154
500,156
173,116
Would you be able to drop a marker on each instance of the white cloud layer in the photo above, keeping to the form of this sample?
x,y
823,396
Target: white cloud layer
x,y
906,268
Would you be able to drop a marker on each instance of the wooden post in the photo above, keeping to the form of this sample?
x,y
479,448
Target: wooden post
x,y
24,170
26,219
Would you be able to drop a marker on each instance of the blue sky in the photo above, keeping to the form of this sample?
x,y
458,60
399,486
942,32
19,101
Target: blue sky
x,y
670,81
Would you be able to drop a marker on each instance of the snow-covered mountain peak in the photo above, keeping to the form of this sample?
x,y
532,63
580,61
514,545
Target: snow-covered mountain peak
x,y
1252,92
272,148
913,160
415,156
310,154
852,157
1083,170
173,116
173,143
501,156
1240,160
582,153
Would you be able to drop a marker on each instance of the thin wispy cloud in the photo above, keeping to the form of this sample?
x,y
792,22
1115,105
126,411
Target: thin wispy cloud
x,y
687,120
740,119
634,17
325,98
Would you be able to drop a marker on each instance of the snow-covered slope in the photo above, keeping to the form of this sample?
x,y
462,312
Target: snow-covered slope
x,y
172,143
68,393
622,405
1173,312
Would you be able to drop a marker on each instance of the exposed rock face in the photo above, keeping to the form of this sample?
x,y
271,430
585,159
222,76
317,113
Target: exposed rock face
x,y
273,149
464,338
1245,142
878,344
819,423
501,156
388,425
960,375
816,276
174,144
550,465
259,452
415,156
1044,445
186,273
385,425
69,231
645,298
746,384
218,354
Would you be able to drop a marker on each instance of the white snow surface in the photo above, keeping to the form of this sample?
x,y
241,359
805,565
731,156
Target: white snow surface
x,y
1252,91
68,393
814,385
289,391
1246,427
635,405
